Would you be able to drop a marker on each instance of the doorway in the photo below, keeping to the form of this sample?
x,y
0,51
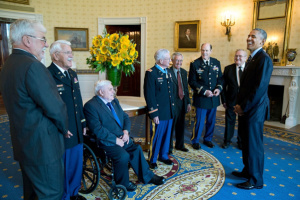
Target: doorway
x,y
4,51
130,86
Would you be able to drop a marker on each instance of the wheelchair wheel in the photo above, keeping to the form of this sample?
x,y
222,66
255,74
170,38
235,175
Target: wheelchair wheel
x,y
90,172
118,192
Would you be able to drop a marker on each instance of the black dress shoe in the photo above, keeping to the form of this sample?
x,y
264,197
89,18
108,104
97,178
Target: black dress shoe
x,y
153,166
131,187
209,144
167,161
240,174
196,146
225,145
77,197
157,180
248,186
183,149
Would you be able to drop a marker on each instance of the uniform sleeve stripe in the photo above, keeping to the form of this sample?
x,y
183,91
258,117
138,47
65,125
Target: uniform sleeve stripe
x,y
152,111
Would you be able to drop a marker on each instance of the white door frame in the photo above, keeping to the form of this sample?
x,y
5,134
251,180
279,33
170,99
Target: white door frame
x,y
128,21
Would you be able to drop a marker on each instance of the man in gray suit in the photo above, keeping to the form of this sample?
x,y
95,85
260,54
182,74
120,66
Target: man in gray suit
x,y
182,102
37,114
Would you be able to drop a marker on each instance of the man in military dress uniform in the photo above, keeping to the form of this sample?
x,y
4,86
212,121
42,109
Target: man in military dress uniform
x,y
205,78
68,87
158,89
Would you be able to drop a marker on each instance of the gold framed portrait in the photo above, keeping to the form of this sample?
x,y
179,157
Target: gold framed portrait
x,y
187,35
79,37
18,1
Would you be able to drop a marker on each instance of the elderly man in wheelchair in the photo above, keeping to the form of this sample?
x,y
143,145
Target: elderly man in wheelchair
x,y
107,120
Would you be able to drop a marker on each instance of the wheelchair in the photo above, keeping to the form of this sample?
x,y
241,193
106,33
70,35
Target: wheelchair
x,y
94,161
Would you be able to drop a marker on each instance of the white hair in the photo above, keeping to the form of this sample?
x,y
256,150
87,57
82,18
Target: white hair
x,y
23,27
176,54
56,46
160,54
100,85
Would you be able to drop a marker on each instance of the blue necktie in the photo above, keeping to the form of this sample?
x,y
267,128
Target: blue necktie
x,y
114,113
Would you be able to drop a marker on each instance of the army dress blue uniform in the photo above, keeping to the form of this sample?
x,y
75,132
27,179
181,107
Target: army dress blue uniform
x,y
69,90
158,91
204,77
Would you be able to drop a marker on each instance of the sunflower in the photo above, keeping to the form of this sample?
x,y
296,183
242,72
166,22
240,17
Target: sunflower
x,y
132,51
101,58
104,49
113,50
113,45
124,39
124,46
114,37
115,62
123,53
96,42
106,42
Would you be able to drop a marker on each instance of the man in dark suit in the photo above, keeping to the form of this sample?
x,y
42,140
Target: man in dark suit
x,y
186,41
107,120
253,106
231,84
205,78
181,100
158,92
68,88
37,115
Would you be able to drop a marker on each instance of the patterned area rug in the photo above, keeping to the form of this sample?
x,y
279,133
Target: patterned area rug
x,y
194,175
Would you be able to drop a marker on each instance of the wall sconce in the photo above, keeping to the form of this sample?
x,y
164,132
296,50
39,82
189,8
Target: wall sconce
x,y
228,20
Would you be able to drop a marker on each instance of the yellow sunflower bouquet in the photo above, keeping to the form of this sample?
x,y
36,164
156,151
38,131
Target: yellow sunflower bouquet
x,y
113,51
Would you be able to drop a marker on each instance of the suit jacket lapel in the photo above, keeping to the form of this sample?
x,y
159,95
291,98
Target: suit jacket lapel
x,y
107,109
234,74
173,76
60,76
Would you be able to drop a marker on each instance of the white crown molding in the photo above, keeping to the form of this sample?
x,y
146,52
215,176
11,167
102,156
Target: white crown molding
x,y
20,15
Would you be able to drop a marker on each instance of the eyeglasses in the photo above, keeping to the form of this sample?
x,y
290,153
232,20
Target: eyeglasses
x,y
66,52
42,39
239,56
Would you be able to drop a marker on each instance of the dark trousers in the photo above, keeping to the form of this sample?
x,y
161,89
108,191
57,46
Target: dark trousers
x,y
43,182
230,119
253,148
201,115
178,126
130,153
73,171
